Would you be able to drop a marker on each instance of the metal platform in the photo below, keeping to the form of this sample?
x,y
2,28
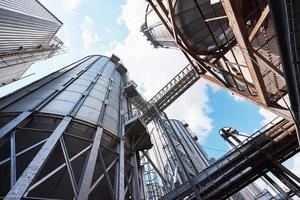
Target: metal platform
x,y
137,130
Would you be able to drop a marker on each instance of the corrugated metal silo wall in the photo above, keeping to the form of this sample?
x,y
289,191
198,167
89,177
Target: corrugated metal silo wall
x,y
26,24
89,95
199,159
64,102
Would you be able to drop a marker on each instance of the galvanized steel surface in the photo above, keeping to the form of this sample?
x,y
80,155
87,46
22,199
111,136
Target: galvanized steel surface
x,y
81,76
27,34
89,94
25,24
29,7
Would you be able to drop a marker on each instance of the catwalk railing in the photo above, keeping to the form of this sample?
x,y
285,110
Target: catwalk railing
x,y
167,95
257,155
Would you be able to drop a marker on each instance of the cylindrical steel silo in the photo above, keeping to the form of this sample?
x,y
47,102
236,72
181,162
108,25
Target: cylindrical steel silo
x,y
202,24
172,142
69,135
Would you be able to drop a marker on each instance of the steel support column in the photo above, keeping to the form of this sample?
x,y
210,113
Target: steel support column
x,y
86,180
135,181
36,164
121,181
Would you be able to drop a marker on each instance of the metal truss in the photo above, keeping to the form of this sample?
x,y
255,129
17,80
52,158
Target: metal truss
x,y
182,160
250,160
64,157
8,59
225,68
166,96
28,184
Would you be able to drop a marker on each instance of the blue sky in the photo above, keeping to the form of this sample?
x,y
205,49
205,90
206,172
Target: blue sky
x,y
103,27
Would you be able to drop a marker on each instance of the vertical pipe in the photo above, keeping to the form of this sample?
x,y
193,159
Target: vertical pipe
x,y
86,181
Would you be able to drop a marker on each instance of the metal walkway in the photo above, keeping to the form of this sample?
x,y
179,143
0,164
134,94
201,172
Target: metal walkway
x,y
8,59
254,157
166,96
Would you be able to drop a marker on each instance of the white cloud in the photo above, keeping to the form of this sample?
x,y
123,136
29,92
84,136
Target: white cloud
x,y
71,4
88,33
267,115
153,68
193,108
296,165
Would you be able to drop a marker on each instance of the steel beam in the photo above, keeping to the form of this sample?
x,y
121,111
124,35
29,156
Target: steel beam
x,y
90,167
128,183
102,176
288,172
14,123
23,151
135,181
239,29
56,170
287,181
111,189
69,166
36,164
121,181
259,23
276,186
156,169
282,174
270,65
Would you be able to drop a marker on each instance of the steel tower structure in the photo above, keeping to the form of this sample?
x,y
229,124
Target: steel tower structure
x,y
231,43
27,34
234,44
262,152
72,135
163,171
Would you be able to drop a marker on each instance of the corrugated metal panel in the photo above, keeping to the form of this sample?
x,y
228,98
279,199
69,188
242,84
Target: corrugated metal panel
x,y
110,124
23,31
29,7
54,84
14,73
29,102
88,114
27,30
90,108
63,103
